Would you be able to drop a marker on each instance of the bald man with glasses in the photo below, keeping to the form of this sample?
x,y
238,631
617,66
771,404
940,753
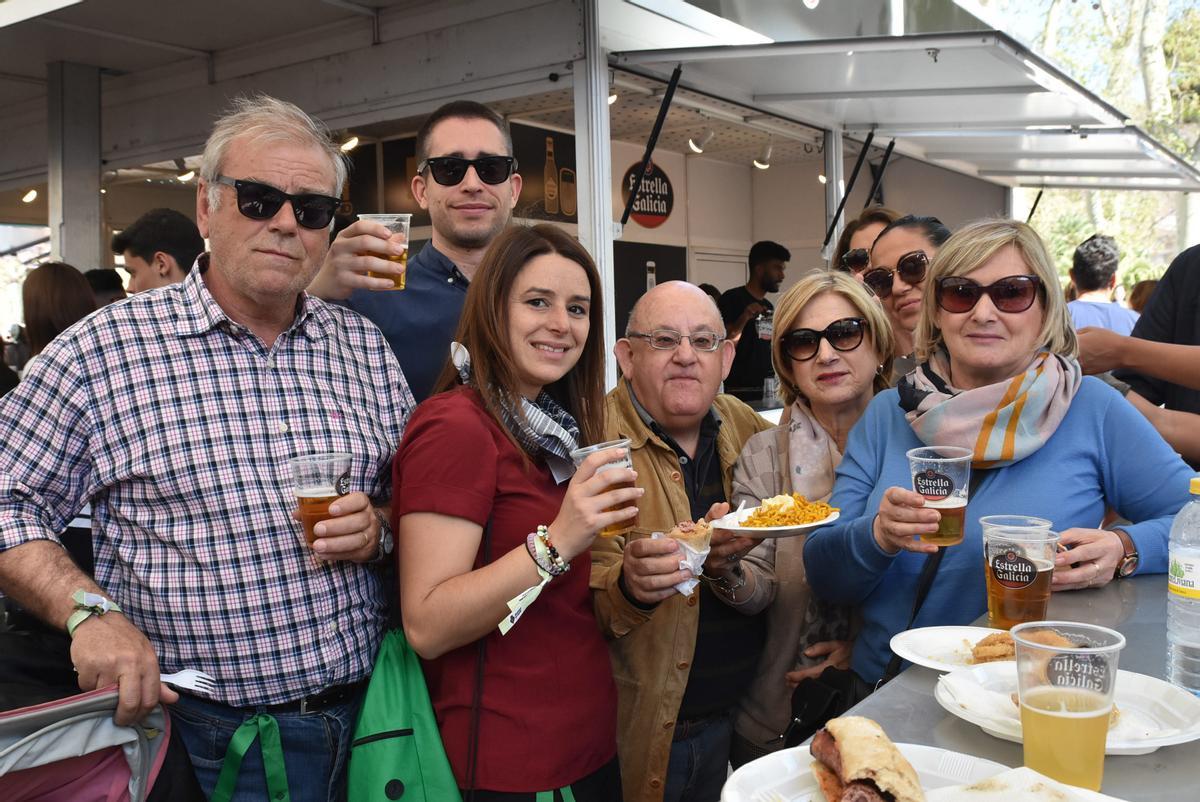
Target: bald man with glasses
x,y
681,662
467,180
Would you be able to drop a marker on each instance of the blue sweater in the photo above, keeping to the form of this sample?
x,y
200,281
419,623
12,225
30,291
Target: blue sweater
x,y
1103,453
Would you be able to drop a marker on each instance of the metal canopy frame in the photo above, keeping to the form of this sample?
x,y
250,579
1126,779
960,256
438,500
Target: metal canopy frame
x,y
978,103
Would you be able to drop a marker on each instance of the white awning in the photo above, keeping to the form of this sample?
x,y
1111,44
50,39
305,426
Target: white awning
x,y
979,103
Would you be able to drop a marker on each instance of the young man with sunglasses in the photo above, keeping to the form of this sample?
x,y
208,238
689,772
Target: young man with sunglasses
x,y
467,180
747,315
682,662
174,414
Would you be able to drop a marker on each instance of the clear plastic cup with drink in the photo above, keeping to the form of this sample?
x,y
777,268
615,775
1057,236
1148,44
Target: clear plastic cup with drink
x,y
1066,678
942,475
1018,553
618,458
318,481
397,225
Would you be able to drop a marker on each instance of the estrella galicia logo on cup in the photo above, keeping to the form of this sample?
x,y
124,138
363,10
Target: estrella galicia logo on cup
x,y
932,485
342,485
1013,570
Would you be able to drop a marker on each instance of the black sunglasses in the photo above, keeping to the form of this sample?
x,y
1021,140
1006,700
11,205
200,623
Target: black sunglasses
x,y
856,260
1009,294
450,170
802,345
911,267
263,201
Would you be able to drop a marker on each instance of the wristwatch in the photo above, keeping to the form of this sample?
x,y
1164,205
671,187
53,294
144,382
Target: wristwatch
x,y
1128,563
386,541
87,605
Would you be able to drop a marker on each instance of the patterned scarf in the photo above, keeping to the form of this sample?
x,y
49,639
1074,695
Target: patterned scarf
x,y
542,426
1001,423
812,454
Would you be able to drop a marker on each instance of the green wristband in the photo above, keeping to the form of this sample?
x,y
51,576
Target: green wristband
x,y
87,605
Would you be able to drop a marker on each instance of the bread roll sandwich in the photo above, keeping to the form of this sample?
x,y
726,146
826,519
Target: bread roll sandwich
x,y
857,762
697,535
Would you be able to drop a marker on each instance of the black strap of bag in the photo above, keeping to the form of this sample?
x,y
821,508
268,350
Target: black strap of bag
x,y
477,696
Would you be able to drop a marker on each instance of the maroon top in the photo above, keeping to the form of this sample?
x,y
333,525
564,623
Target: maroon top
x,y
549,711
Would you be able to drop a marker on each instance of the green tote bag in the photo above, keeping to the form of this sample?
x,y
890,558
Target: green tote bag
x,y
397,752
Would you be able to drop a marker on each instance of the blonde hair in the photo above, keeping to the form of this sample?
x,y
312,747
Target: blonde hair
x,y
262,118
819,282
967,250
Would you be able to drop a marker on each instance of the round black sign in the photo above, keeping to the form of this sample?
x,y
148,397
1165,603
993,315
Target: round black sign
x,y
655,198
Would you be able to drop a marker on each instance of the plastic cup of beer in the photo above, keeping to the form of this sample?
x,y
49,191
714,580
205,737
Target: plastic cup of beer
x,y
942,474
319,480
1066,697
1018,552
617,459
397,224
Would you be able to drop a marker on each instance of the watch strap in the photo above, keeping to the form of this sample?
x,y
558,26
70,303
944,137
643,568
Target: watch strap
x,y
1129,556
386,538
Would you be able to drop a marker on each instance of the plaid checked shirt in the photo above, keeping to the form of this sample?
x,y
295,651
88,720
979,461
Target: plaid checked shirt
x,y
176,423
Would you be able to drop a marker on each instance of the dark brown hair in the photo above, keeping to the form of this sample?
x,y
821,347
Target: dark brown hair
x,y
464,110
869,215
55,295
483,329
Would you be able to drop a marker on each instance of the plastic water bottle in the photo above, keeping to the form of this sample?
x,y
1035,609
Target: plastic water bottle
x,y
1183,598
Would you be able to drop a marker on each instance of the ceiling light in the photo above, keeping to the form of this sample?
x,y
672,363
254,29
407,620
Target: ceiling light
x,y
822,178
29,197
103,191
763,162
698,145
612,98
349,145
811,4
185,173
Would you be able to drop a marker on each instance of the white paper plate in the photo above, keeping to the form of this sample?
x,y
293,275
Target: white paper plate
x,y
1021,784
786,776
939,648
733,523
1143,701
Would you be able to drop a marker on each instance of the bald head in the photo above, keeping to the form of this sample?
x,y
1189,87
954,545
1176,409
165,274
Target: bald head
x,y
677,387
668,294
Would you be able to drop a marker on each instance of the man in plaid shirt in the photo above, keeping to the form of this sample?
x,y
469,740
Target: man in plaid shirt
x,y
174,413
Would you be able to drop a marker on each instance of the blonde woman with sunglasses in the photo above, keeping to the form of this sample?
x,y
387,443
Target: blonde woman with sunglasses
x,y
832,351
998,375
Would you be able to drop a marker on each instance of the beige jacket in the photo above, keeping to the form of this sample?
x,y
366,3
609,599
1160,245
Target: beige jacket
x,y
652,650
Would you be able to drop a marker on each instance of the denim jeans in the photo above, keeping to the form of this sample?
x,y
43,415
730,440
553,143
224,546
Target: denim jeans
x,y
316,747
699,763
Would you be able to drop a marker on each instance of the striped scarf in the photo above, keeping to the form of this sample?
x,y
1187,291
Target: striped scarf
x,y
544,428
1001,423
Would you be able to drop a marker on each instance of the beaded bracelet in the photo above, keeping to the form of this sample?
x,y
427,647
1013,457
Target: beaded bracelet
x,y
541,556
561,566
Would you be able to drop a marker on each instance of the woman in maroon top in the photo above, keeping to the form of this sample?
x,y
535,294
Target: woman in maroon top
x,y
494,454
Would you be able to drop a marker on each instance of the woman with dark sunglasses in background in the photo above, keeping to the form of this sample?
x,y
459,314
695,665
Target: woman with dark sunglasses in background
x,y
900,257
998,376
853,252
832,352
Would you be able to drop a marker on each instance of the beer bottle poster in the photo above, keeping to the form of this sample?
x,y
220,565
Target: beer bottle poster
x,y
656,196
546,162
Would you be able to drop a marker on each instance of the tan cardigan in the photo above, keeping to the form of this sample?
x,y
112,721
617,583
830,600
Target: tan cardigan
x,y
781,583
652,650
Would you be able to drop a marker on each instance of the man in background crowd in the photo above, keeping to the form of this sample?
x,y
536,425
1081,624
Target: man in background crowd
x,y
106,285
1094,276
748,319
159,249
466,179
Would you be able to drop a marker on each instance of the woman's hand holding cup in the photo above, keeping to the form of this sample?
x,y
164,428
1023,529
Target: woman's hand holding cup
x,y
903,517
595,499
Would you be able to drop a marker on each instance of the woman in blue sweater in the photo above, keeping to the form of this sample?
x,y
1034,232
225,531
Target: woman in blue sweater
x,y
997,375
